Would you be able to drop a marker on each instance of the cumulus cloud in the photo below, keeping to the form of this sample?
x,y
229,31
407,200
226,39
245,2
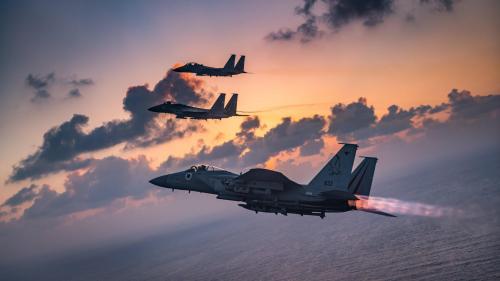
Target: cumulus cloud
x,y
285,136
440,5
63,144
357,120
312,147
247,150
370,13
96,188
338,13
335,14
26,194
81,82
77,84
40,85
106,180
306,31
346,119
74,93
465,106
353,122
250,123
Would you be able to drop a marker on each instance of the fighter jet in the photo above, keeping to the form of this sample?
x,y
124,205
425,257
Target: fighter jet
x,y
218,111
229,68
333,189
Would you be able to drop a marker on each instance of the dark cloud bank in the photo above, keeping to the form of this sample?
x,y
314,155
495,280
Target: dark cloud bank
x,y
354,122
113,178
335,14
63,144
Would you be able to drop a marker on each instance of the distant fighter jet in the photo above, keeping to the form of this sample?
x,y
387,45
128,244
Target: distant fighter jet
x,y
229,68
333,189
218,111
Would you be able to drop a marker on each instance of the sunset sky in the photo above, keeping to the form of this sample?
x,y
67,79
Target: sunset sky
x,y
408,53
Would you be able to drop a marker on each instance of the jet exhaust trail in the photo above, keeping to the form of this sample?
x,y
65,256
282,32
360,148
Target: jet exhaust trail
x,y
396,206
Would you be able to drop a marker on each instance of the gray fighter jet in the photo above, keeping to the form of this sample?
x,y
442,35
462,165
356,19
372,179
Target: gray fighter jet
x,y
229,68
333,189
218,111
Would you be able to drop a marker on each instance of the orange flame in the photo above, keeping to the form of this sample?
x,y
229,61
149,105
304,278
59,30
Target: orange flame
x,y
396,206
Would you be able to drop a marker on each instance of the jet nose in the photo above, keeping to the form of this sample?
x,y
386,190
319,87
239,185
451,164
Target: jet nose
x,y
155,108
160,181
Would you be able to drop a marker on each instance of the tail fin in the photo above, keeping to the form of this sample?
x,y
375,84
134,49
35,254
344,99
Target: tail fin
x,y
230,63
230,108
240,66
337,172
362,177
219,104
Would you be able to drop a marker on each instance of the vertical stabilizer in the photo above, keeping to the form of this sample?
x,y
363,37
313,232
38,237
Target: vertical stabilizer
x,y
362,177
218,106
231,105
240,66
230,63
336,174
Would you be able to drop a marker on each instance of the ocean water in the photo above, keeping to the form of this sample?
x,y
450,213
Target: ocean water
x,y
462,245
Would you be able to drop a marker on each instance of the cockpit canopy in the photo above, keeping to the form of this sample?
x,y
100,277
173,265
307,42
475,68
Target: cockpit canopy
x,y
203,167
192,64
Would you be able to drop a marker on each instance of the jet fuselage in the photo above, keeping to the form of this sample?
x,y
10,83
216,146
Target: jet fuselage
x,y
229,68
185,111
202,70
277,195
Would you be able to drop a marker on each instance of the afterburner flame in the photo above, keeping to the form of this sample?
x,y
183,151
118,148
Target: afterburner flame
x,y
396,206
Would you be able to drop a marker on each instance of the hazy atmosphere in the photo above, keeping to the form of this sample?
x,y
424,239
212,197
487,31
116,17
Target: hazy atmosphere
x,y
413,83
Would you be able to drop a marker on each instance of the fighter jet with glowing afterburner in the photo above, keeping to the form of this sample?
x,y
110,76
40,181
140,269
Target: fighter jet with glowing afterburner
x,y
229,68
334,189
217,111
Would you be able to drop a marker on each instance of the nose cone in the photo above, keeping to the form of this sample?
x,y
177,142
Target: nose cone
x,y
156,108
179,69
160,181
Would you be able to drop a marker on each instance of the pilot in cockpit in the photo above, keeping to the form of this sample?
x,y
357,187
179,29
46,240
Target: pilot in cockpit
x,y
199,168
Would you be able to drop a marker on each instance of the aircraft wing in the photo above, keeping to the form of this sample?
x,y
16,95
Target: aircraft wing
x,y
264,178
191,109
